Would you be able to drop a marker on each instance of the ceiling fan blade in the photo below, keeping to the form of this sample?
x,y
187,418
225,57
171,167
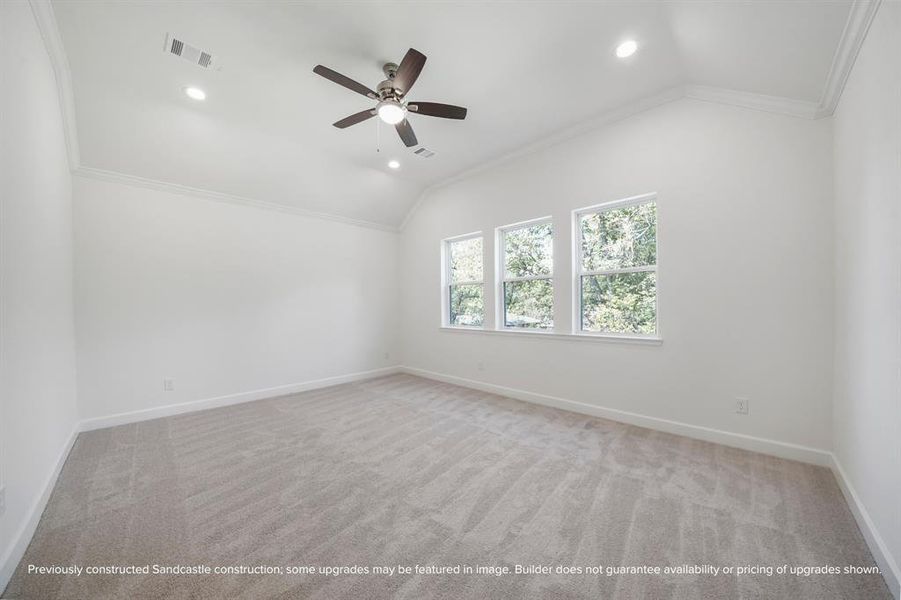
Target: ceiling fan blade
x,y
406,133
434,109
409,70
354,119
345,81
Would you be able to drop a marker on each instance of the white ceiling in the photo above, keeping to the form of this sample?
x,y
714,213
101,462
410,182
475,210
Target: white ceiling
x,y
524,70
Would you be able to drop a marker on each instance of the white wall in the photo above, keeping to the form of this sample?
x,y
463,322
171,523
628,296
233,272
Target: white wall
x,y
222,298
745,246
868,279
37,346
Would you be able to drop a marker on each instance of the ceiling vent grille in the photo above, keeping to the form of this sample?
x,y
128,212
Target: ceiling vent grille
x,y
424,153
188,52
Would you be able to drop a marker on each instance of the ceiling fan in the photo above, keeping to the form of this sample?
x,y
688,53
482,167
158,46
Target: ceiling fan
x,y
393,106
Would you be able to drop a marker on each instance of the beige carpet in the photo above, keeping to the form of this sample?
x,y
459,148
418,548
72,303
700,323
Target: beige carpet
x,y
405,471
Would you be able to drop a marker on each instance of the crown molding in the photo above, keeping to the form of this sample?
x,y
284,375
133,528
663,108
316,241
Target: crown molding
x,y
802,109
49,29
53,42
859,19
606,118
602,120
860,16
419,200
176,188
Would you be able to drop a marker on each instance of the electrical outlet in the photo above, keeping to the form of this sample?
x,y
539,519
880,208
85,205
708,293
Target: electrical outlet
x,y
387,355
168,385
480,366
742,406
2,501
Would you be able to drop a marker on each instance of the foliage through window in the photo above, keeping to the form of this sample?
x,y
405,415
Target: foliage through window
x,y
617,269
527,289
464,282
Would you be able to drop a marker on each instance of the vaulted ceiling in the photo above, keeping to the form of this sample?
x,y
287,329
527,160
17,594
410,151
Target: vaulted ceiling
x,y
524,70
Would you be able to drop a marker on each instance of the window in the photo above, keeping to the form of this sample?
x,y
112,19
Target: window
x,y
463,282
616,268
526,289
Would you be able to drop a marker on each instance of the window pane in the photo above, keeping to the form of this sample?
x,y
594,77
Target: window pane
x,y
466,307
620,238
529,251
466,260
620,303
529,304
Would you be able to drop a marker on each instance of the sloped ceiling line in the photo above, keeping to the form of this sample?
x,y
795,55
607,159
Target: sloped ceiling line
x,y
859,19
46,21
853,35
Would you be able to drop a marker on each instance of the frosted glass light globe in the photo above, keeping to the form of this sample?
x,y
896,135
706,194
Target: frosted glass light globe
x,y
391,112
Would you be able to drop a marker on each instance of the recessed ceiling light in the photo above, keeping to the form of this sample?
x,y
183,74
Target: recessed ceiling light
x,y
627,48
195,93
393,164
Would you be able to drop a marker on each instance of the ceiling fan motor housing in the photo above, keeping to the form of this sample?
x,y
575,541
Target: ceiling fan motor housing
x,y
389,69
386,90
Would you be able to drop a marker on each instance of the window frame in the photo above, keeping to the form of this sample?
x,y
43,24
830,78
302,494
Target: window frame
x,y
578,272
447,281
500,271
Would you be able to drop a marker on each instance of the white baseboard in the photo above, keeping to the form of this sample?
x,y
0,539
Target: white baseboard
x,y
737,440
22,538
219,401
878,549
13,555
884,559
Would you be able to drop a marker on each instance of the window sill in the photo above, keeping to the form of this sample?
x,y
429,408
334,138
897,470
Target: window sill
x,y
575,337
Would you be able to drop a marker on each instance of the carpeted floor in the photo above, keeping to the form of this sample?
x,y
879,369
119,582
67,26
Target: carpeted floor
x,y
405,471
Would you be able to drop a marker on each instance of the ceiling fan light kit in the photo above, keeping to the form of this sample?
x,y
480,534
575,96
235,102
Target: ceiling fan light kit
x,y
391,112
392,106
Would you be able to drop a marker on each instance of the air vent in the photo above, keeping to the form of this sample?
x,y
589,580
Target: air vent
x,y
424,153
193,54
